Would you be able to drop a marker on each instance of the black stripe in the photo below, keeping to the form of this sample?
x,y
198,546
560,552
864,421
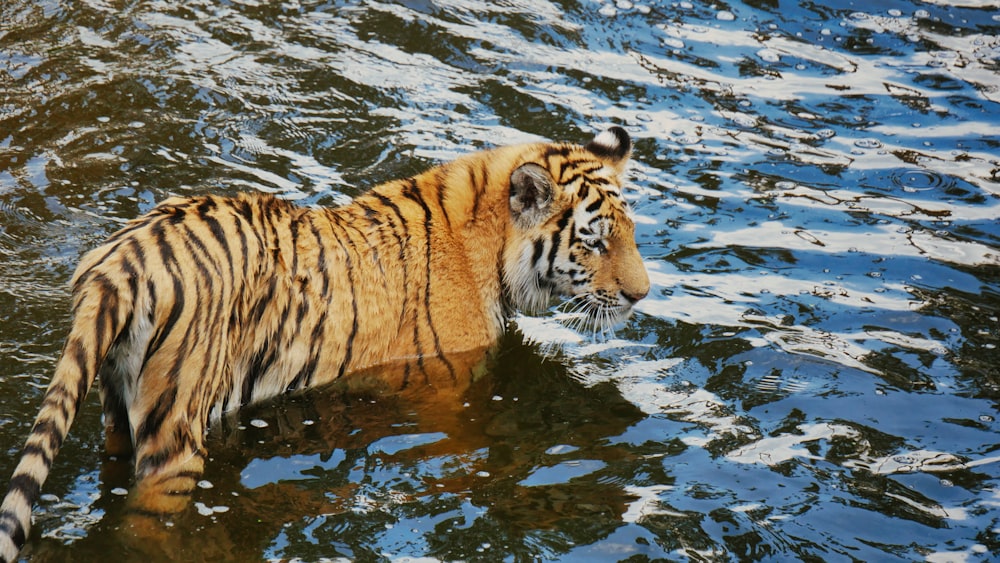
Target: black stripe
x,y
349,350
304,375
164,331
198,252
557,239
320,257
131,269
151,462
56,397
476,174
401,241
260,307
539,249
26,485
107,294
293,233
411,194
439,175
80,356
47,428
10,525
428,227
260,362
38,451
169,260
594,205
151,425
244,253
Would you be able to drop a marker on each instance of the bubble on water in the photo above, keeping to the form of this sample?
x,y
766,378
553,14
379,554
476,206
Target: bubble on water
x,y
103,119
608,11
868,143
924,14
825,133
258,423
858,16
624,5
48,497
672,42
205,484
895,13
769,55
920,180
119,491
725,15
482,474
560,449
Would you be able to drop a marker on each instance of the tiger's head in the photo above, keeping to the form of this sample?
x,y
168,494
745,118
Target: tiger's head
x,y
573,235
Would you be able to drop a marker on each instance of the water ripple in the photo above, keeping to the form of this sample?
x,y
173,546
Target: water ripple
x,y
816,189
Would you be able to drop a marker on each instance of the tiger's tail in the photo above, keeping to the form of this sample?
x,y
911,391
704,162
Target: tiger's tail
x,y
100,313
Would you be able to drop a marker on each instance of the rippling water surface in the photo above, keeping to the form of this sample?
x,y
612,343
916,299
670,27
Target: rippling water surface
x,y
817,185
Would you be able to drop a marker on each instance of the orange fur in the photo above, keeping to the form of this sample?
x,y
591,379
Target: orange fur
x,y
206,304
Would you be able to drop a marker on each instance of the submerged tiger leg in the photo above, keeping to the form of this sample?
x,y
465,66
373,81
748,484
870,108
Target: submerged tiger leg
x,y
168,427
168,490
159,496
117,434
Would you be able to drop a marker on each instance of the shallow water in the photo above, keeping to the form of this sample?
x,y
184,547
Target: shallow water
x,y
814,375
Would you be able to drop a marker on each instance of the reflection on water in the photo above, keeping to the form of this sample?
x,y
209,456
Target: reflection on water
x,y
817,189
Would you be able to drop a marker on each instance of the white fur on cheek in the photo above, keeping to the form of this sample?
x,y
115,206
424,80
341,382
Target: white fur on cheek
x,y
522,283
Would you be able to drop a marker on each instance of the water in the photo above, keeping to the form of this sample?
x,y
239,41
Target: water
x,y
814,376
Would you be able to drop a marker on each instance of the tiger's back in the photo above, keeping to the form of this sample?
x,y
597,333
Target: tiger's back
x,y
207,304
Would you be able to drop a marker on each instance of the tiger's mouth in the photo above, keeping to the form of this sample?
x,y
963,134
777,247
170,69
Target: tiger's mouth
x,y
597,312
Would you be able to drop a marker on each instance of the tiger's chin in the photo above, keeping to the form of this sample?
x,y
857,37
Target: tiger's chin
x,y
594,313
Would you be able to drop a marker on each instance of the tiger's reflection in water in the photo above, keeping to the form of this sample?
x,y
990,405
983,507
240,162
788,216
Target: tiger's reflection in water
x,y
499,449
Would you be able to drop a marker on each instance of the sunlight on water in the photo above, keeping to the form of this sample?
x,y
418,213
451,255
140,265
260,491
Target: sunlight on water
x,y
816,189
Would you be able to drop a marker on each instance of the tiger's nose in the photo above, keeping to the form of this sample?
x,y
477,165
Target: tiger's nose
x,y
634,295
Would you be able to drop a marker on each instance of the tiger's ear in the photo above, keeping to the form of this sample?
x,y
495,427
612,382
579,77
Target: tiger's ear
x,y
612,145
530,194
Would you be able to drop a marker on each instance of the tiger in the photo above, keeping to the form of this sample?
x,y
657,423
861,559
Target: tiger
x,y
206,304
